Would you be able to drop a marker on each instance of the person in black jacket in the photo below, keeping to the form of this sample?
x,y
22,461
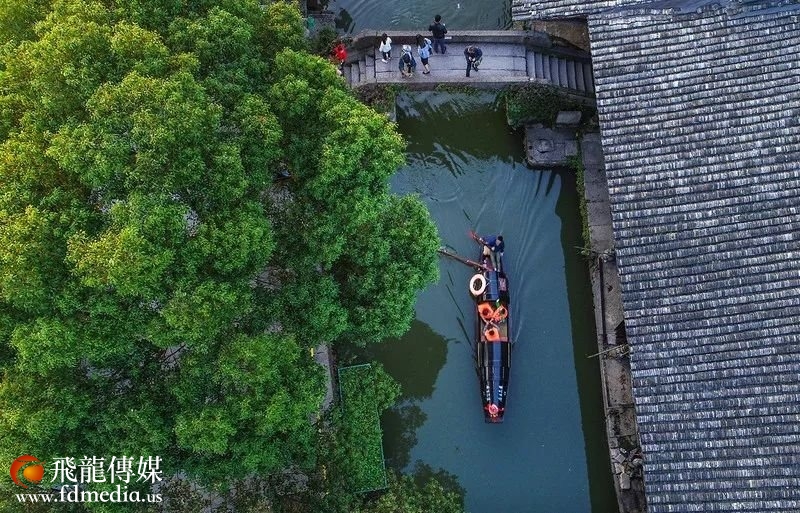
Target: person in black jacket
x,y
438,30
474,56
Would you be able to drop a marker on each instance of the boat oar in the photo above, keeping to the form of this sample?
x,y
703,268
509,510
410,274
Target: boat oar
x,y
465,261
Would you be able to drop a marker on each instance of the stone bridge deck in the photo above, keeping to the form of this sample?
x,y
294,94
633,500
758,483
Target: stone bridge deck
x,y
509,57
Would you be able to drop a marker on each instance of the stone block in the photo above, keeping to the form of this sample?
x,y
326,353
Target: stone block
x,y
624,481
592,151
599,213
568,118
543,146
602,237
595,190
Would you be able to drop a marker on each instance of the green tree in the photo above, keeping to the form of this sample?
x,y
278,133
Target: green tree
x,y
158,293
409,495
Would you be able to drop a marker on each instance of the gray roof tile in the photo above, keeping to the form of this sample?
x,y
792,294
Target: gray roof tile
x,y
700,114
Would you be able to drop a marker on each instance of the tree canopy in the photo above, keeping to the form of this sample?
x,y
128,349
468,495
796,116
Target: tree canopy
x,y
409,495
159,290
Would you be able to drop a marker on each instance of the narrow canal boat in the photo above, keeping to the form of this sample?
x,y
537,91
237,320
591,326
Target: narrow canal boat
x,y
489,288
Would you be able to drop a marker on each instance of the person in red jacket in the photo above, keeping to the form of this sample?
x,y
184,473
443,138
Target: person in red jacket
x,y
339,55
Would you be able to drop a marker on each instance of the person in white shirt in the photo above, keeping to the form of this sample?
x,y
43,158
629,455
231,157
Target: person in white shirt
x,y
386,47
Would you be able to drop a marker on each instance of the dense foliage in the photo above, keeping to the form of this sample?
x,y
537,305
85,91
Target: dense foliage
x,y
366,391
406,494
541,103
158,292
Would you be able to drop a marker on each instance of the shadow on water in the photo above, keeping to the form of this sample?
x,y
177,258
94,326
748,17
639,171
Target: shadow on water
x,y
584,338
343,21
414,361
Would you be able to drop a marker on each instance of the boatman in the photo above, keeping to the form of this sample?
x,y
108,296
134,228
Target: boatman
x,y
492,247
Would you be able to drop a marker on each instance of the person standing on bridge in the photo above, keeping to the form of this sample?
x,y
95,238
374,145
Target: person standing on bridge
x,y
386,47
438,30
407,62
474,56
424,51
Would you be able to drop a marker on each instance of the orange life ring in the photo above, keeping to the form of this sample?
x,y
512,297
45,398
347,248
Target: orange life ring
x,y
477,284
493,409
492,334
500,313
486,311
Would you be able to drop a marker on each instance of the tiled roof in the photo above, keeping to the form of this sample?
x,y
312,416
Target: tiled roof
x,y
522,10
700,118
543,9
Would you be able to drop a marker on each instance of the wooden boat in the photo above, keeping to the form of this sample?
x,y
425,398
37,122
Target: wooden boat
x,y
489,288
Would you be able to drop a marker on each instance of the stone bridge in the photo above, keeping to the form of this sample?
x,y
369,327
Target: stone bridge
x,y
509,57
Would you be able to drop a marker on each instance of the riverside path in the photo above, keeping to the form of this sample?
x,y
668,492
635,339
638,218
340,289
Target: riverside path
x,y
509,57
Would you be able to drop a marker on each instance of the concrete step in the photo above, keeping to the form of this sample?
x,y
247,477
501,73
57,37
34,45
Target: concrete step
x,y
588,79
369,70
571,82
580,83
348,74
554,70
530,64
538,65
546,67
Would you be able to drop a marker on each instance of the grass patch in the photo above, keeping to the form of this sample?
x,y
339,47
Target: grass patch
x,y
380,97
361,415
540,103
455,88
576,164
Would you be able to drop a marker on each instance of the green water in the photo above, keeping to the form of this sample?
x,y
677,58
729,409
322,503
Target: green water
x,y
549,455
353,16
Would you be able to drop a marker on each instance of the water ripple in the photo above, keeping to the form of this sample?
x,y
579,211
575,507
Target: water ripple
x,y
357,15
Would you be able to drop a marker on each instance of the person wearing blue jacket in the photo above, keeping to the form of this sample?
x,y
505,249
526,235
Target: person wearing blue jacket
x,y
424,50
492,247
474,56
407,62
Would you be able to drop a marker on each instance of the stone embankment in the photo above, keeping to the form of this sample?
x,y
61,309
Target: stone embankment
x,y
613,350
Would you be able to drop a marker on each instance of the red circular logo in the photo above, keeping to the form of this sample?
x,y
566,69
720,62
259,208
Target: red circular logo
x,y
27,470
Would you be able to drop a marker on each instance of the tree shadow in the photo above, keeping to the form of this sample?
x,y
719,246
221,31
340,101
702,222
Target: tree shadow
x,y
400,425
414,359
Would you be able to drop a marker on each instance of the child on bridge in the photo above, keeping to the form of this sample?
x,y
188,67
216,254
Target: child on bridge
x,y
407,62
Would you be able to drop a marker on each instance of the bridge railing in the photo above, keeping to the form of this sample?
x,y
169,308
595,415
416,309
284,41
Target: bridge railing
x,y
367,40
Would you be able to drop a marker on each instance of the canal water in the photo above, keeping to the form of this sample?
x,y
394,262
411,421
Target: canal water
x,y
353,16
468,166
